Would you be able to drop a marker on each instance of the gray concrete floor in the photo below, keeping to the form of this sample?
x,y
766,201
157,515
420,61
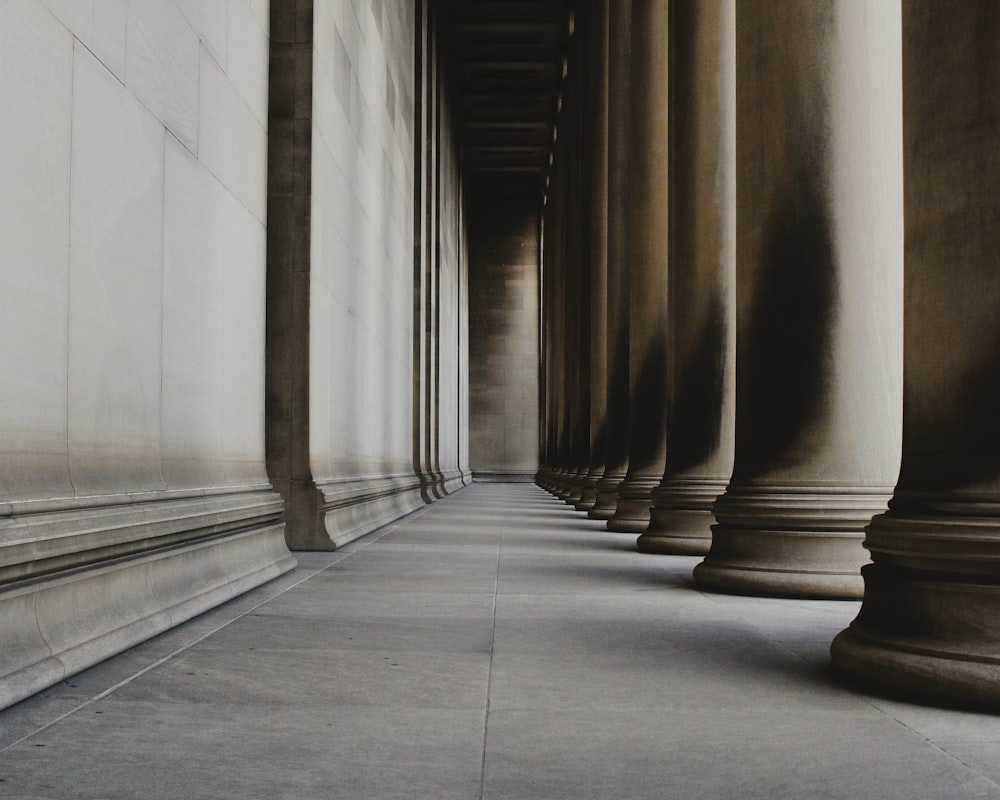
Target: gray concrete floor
x,y
493,645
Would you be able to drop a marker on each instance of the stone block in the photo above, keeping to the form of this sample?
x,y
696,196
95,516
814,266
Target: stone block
x,y
36,59
115,284
210,20
162,59
247,57
232,142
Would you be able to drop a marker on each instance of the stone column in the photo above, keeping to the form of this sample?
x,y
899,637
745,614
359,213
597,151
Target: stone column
x,y
819,322
929,622
553,277
619,215
598,154
574,143
701,363
569,315
647,286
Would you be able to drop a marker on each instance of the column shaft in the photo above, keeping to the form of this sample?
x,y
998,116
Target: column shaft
x,y
819,271
619,222
701,365
598,153
649,185
929,622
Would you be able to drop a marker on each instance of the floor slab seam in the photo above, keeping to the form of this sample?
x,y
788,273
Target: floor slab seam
x,y
867,700
489,673
374,537
911,730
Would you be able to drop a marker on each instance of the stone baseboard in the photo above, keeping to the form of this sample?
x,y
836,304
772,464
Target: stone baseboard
x,y
131,581
503,476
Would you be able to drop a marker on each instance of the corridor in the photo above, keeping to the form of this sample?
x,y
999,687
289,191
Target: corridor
x,y
493,645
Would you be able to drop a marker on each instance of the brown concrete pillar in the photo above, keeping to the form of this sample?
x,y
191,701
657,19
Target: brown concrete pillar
x,y
552,265
619,215
570,289
647,286
930,621
598,154
819,270
574,145
554,283
701,363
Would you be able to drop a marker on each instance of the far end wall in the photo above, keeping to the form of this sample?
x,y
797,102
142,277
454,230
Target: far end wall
x,y
503,342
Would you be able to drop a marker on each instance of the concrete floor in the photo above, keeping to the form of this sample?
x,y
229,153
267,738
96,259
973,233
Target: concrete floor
x,y
494,645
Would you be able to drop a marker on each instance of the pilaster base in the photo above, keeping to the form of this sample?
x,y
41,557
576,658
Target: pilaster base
x,y
347,510
455,480
497,476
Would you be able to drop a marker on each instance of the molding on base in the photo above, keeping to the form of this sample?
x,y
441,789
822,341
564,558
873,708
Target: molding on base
x,y
791,541
680,521
930,633
351,509
58,624
503,476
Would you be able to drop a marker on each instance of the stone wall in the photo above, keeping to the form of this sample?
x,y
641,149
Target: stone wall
x,y
132,223
503,342
343,371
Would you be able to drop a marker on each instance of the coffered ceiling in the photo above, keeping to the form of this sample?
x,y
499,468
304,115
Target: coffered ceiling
x,y
508,64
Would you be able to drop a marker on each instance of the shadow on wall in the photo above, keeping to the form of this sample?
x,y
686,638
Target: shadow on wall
x,y
786,348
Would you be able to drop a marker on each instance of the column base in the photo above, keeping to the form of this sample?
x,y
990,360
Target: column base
x,y
575,487
543,478
929,621
634,504
556,478
565,488
588,494
607,497
941,676
790,541
680,521
677,532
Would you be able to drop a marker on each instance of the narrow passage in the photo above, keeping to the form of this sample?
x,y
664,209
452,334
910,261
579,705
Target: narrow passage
x,y
499,645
